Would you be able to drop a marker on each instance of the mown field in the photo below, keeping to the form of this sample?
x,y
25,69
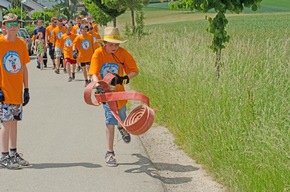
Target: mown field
x,y
236,126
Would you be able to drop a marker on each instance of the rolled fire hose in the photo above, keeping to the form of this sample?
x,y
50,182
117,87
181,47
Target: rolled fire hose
x,y
138,121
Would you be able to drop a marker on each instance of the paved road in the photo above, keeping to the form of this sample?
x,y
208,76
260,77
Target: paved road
x,y
64,140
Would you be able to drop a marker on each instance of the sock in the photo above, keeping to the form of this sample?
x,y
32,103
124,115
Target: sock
x,y
112,152
4,154
13,151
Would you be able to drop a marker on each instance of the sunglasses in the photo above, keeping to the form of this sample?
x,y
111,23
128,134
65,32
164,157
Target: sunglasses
x,y
12,24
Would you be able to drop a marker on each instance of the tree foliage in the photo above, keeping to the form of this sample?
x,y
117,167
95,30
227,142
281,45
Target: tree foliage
x,y
217,25
99,16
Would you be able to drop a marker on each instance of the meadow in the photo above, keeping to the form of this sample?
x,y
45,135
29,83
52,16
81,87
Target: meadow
x,y
237,126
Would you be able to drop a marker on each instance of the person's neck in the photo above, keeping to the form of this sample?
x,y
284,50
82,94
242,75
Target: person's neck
x,y
10,38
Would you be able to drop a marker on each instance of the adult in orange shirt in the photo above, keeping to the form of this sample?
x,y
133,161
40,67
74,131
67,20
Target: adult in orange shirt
x,y
56,35
66,43
111,58
83,46
96,37
13,78
95,26
77,31
3,30
77,27
49,40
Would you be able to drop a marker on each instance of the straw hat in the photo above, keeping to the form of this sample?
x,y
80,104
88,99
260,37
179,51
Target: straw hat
x,y
10,17
112,35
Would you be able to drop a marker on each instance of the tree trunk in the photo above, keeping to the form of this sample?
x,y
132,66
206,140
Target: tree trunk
x,y
218,62
133,21
115,22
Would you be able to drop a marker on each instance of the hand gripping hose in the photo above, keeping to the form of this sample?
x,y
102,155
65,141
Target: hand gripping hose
x,y
139,119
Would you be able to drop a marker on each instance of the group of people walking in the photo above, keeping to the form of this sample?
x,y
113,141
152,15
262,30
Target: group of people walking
x,y
71,45
77,43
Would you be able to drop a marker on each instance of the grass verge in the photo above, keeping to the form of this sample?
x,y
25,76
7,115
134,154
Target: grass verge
x,y
237,126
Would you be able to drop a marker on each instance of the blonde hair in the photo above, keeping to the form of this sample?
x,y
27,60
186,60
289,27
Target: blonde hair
x,y
68,26
37,35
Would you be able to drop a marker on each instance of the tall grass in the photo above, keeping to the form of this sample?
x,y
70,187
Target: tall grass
x,y
237,126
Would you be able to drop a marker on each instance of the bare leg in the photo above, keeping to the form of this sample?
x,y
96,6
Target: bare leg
x,y
68,69
85,72
110,137
8,135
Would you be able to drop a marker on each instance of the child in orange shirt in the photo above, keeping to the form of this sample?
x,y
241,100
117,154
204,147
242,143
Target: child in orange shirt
x,y
66,42
111,58
83,48
96,37
13,78
56,34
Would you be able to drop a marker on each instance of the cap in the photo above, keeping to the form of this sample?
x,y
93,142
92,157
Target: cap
x,y
10,17
84,26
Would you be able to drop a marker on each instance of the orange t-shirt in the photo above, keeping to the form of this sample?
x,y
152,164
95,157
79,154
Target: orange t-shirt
x,y
13,56
76,30
66,42
103,63
96,37
84,45
48,32
56,34
95,26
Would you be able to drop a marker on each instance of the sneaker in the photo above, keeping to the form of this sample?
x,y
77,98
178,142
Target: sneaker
x,y
45,65
56,71
87,82
17,158
69,79
111,160
38,67
125,135
64,70
73,76
78,68
53,66
8,163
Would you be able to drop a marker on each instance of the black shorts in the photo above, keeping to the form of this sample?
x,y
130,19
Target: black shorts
x,y
84,64
51,51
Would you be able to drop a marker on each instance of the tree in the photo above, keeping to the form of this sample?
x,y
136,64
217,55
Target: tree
x,y
15,3
99,16
217,25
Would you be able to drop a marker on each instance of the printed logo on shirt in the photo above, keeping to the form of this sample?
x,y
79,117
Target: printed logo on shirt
x,y
109,68
68,42
78,31
11,62
95,39
85,44
59,34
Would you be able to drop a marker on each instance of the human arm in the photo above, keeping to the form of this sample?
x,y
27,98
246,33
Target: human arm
x,y
26,96
46,38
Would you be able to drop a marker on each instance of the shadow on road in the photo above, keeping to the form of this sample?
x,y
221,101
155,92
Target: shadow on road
x,y
63,165
150,168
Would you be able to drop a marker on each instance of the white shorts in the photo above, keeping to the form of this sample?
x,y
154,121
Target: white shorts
x,y
58,52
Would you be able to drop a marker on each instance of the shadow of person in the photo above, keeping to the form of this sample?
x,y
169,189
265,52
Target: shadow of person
x,y
151,169
63,165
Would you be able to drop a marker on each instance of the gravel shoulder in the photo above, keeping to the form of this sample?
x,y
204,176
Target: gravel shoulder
x,y
176,170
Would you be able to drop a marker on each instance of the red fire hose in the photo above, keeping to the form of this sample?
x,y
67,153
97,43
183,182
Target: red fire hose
x,y
138,121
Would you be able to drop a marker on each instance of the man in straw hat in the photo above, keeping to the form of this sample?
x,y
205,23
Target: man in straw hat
x,y
13,78
111,58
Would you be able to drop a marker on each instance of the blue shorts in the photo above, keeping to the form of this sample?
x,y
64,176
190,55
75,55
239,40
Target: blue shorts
x,y
10,112
110,119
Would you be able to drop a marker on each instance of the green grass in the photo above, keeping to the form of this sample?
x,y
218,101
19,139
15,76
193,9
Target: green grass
x,y
237,126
